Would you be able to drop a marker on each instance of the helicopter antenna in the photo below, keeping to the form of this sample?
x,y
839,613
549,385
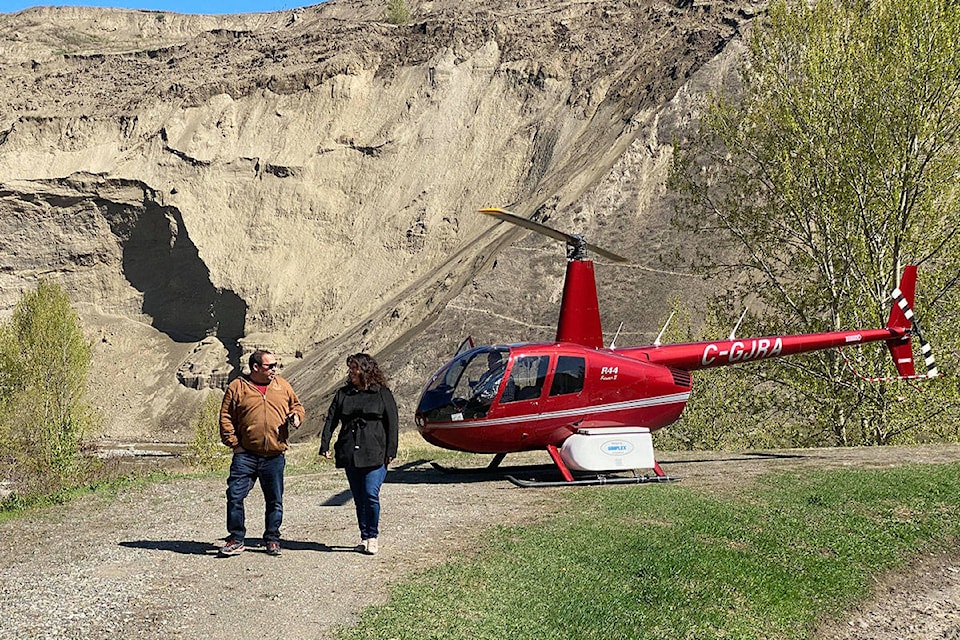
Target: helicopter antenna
x,y
733,332
656,342
613,343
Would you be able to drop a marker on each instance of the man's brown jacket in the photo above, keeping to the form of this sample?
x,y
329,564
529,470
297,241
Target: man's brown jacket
x,y
258,422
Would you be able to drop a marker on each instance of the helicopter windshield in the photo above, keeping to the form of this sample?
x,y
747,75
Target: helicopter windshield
x,y
465,389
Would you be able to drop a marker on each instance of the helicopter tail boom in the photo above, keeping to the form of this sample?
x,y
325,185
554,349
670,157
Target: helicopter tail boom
x,y
897,336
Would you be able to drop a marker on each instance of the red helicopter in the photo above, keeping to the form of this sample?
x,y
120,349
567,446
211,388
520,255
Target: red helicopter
x,y
593,409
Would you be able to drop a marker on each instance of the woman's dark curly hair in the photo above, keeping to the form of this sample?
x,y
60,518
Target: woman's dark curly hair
x,y
369,370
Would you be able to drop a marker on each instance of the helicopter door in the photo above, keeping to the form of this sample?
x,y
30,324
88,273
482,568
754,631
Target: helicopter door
x,y
526,379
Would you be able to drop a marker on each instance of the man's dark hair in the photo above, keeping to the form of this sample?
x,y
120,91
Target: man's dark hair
x,y
256,358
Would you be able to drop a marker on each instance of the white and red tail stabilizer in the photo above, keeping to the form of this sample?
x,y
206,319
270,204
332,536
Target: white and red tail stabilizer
x,y
903,322
901,315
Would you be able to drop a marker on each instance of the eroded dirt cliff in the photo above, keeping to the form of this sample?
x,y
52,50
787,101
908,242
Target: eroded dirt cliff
x,y
307,180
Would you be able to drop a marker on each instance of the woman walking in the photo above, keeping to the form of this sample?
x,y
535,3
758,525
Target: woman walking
x,y
367,412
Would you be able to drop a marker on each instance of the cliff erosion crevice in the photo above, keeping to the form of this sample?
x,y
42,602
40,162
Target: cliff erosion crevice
x,y
162,263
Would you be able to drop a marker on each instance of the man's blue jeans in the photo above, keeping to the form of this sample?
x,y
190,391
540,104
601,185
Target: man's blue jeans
x,y
245,469
365,483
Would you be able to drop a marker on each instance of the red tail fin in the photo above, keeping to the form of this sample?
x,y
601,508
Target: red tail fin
x,y
901,316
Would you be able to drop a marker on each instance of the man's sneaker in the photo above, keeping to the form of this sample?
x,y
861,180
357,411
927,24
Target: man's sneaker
x,y
372,547
362,547
232,548
273,549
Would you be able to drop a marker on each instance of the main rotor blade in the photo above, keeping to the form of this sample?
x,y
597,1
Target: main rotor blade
x,y
573,241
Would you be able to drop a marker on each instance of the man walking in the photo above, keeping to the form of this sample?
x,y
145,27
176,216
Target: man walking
x,y
256,416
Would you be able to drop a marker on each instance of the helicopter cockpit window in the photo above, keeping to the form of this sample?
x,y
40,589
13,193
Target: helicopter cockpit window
x,y
467,387
526,378
569,376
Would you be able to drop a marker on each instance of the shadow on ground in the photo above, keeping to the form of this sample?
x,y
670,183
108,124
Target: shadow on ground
x,y
192,547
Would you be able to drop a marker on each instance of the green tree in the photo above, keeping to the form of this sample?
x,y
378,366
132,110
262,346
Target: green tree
x,y
729,407
45,360
831,166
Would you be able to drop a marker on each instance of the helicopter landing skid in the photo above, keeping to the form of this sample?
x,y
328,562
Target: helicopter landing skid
x,y
570,480
585,482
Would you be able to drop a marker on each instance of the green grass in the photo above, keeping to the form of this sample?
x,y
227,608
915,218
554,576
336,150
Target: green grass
x,y
667,561
15,505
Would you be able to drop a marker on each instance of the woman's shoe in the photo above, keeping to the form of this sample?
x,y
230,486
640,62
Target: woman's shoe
x,y
372,547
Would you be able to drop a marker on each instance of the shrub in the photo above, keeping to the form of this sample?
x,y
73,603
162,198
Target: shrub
x,y
206,451
397,12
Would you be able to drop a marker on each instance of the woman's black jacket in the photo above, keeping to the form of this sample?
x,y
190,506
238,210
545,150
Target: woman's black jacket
x,y
369,431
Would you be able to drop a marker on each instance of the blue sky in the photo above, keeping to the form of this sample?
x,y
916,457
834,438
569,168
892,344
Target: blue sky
x,y
177,6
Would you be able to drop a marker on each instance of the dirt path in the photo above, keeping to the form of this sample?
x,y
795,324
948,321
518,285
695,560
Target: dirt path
x,y
143,565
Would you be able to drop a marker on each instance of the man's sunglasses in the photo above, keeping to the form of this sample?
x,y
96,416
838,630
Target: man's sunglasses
x,y
272,365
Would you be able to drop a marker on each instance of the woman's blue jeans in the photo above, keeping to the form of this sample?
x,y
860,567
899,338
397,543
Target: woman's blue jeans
x,y
365,483
245,469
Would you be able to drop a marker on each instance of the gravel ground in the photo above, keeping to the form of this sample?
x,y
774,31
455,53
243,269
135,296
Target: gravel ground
x,y
143,564
922,603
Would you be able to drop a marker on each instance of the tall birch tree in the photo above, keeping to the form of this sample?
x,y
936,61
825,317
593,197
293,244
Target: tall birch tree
x,y
834,163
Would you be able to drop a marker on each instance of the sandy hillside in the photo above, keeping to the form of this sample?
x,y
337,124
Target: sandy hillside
x,y
307,180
